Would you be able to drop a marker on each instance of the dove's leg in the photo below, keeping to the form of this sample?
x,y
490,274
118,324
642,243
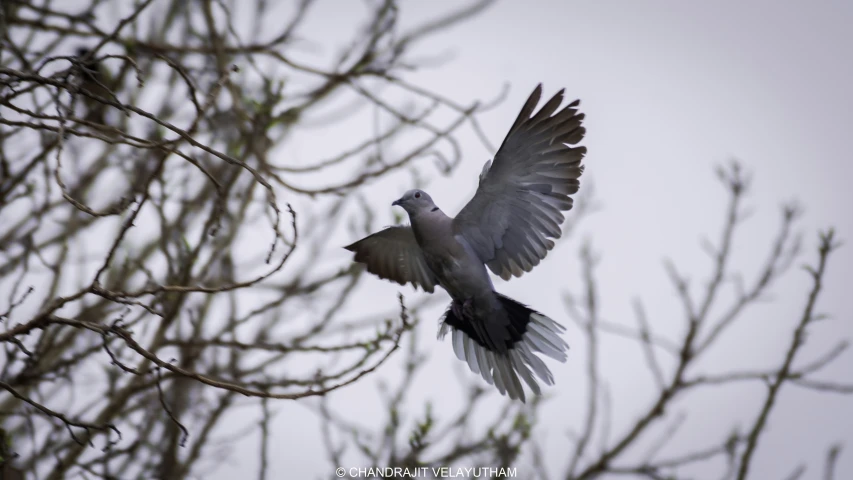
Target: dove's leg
x,y
456,308
462,310
468,308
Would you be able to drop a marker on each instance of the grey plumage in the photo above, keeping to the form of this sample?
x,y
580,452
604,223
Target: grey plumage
x,y
394,254
508,227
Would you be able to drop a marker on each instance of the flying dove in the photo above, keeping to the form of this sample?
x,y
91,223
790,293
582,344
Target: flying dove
x,y
508,227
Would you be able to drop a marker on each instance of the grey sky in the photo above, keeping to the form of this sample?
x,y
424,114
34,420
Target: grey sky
x,y
670,90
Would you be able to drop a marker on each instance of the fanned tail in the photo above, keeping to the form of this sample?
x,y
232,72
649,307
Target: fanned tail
x,y
504,346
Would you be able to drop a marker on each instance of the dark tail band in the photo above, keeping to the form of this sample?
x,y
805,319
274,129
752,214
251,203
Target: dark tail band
x,y
503,348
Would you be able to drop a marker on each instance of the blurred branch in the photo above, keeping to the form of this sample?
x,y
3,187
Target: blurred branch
x,y
702,332
827,245
147,170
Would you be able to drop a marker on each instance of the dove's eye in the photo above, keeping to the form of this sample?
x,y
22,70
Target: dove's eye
x,y
417,194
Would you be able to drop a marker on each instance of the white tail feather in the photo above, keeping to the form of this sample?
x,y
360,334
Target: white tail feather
x,y
503,369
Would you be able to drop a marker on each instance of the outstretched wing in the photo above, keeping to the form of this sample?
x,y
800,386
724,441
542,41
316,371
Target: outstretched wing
x,y
518,206
394,254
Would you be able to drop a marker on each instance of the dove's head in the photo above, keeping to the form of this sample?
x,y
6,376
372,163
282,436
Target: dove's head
x,y
415,202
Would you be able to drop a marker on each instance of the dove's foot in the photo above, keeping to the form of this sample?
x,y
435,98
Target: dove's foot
x,y
456,308
462,310
468,308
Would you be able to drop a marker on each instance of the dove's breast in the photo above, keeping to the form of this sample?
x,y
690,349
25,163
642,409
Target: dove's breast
x,y
458,269
450,257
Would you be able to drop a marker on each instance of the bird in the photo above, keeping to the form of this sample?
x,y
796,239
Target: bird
x,y
94,81
508,227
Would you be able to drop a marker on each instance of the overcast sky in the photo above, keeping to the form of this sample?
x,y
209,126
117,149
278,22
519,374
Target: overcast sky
x,y
670,90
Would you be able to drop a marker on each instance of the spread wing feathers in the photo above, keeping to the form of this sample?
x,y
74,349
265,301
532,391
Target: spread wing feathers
x,y
394,254
518,206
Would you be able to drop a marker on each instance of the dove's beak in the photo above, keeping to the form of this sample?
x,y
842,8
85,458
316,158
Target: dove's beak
x,y
398,202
